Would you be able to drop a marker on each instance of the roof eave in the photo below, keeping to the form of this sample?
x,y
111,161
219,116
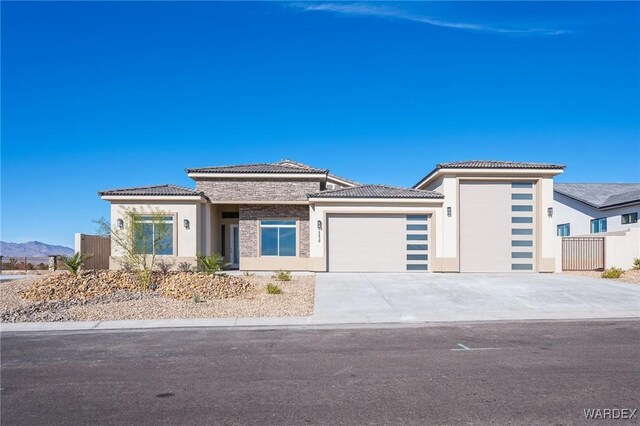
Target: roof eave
x,y
253,175
404,200
501,171
133,198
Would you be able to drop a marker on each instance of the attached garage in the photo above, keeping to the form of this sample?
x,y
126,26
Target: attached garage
x,y
378,242
497,226
374,228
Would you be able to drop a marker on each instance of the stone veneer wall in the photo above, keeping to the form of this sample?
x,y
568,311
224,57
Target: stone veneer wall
x,y
220,189
250,214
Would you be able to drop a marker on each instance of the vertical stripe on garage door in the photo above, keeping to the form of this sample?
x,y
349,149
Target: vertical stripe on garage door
x,y
496,226
375,243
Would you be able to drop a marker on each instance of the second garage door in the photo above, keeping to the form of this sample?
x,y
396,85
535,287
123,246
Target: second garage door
x,y
497,226
378,243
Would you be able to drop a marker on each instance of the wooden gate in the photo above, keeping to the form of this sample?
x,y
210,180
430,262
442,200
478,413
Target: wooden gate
x,y
98,247
583,253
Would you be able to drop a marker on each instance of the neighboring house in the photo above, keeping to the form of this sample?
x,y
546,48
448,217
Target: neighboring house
x,y
607,210
469,216
594,208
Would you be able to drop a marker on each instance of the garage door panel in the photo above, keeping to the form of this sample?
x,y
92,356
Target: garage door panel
x,y
496,221
371,243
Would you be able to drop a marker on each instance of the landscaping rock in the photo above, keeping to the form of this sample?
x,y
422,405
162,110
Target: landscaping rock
x,y
94,284
183,286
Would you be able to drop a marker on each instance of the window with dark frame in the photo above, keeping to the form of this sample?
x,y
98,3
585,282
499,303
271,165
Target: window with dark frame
x,y
629,218
599,225
564,230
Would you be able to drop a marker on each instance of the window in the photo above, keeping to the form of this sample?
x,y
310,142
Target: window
x,y
277,237
629,218
599,225
153,235
564,230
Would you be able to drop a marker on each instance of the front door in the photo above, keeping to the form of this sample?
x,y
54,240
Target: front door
x,y
235,246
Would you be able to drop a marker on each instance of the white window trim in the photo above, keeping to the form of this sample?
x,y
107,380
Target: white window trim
x,y
174,231
295,226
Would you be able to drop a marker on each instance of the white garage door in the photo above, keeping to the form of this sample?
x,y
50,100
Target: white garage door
x,y
497,226
378,243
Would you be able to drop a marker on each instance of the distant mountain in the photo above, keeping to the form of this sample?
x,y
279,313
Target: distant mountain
x,y
33,249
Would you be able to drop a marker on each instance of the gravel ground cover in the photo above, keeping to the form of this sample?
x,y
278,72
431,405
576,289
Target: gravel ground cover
x,y
296,299
632,276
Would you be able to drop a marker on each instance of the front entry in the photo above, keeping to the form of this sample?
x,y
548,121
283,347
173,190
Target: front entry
x,y
234,254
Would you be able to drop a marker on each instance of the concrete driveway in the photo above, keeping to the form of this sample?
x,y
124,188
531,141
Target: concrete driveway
x,y
471,297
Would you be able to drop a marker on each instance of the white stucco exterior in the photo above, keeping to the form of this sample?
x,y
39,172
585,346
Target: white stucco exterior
x,y
186,242
579,215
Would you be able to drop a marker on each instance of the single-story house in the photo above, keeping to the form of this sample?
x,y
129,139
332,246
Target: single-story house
x,y
605,210
467,216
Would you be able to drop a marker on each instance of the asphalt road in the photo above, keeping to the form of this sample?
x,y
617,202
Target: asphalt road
x,y
537,373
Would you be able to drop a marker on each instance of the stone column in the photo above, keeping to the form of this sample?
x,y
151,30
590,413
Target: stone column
x,y
53,262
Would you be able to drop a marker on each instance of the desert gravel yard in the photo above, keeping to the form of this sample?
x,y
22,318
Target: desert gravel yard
x,y
296,299
631,276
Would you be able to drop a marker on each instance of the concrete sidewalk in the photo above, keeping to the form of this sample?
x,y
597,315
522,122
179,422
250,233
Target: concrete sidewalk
x,y
295,322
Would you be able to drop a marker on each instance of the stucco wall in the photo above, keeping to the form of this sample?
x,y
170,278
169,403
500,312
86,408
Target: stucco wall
x,y
621,249
251,214
579,215
267,190
186,241
320,211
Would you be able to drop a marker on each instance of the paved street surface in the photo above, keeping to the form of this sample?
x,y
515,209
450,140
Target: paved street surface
x,y
473,297
524,373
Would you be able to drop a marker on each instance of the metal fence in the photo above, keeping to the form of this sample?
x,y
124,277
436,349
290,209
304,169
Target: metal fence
x,y
583,253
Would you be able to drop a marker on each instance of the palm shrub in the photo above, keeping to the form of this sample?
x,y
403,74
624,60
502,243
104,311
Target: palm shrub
x,y
74,263
210,264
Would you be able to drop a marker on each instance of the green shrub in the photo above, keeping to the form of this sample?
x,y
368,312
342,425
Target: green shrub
x,y
283,276
612,273
636,263
247,274
74,263
210,264
196,298
273,289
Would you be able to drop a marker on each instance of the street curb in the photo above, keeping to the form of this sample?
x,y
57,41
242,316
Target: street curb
x,y
297,322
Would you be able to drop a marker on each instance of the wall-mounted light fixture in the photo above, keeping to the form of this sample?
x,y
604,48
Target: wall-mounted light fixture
x,y
448,211
186,223
550,212
120,223
319,225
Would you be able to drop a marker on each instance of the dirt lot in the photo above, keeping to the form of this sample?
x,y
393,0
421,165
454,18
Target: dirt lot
x,y
296,299
631,276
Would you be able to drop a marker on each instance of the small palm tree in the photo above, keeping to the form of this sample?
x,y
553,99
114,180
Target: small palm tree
x,y
74,263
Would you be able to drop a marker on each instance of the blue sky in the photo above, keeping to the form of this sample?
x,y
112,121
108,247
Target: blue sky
x,y
97,95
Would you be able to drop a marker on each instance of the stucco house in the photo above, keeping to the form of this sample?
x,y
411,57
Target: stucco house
x,y
608,211
467,216
594,208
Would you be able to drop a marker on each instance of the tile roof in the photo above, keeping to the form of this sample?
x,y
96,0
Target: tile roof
x,y
600,195
259,168
155,190
376,191
490,164
286,161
